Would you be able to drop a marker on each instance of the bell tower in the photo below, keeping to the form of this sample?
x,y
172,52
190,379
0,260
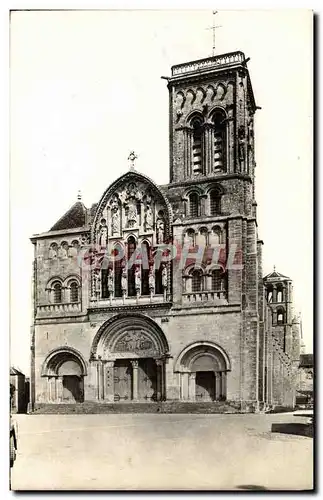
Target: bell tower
x,y
279,291
212,110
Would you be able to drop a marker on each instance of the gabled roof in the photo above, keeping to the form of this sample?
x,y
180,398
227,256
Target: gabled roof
x,y
306,361
74,217
275,276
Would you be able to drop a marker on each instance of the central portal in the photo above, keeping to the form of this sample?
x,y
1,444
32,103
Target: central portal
x,y
130,353
135,380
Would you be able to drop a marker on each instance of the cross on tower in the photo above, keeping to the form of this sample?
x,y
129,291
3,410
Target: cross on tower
x,y
213,28
132,158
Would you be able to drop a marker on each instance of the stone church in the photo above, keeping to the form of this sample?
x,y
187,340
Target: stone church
x,y
156,293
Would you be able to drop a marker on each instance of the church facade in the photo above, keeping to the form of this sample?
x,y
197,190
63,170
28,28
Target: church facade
x,y
156,293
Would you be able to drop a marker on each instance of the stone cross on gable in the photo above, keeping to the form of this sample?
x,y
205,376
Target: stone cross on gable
x,y
132,158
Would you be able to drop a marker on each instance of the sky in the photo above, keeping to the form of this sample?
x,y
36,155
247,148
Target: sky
x,y
86,89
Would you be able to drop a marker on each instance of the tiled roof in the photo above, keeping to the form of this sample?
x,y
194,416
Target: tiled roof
x,y
276,276
74,217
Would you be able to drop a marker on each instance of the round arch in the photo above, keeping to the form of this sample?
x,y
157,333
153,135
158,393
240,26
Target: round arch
x,y
194,114
216,109
126,335
213,355
215,186
57,357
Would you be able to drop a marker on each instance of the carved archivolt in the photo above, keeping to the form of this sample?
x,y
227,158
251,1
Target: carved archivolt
x,y
129,336
133,205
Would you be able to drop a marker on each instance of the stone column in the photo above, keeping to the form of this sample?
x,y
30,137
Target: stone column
x,y
191,386
185,151
161,385
109,381
163,381
274,293
184,386
101,365
134,364
98,380
224,385
220,384
189,151
230,141
54,389
217,389
206,160
59,389
49,389
158,380
211,159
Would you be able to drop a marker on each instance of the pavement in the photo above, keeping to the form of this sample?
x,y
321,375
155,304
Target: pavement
x,y
161,452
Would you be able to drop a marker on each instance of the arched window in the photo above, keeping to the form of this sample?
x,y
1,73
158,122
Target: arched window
x,y
197,145
57,289
131,271
189,237
219,142
193,205
279,294
145,258
216,280
215,202
196,281
216,236
201,237
74,248
53,251
74,292
117,254
269,294
159,281
280,316
219,280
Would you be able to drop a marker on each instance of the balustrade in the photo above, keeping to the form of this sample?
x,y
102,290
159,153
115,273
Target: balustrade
x,y
222,60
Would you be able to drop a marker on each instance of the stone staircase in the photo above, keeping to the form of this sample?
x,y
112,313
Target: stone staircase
x,y
150,407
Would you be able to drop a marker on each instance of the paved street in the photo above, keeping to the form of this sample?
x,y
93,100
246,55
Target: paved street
x,y
160,451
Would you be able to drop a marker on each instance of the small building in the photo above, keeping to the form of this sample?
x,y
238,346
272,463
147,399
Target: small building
x,y
20,396
305,379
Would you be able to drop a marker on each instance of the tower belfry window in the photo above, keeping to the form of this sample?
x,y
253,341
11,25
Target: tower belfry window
x,y
197,146
219,141
215,202
193,205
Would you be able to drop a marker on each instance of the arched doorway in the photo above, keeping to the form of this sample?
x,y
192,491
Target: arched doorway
x,y
130,353
64,369
203,368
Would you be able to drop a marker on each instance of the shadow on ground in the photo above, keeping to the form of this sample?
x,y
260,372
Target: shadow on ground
x,y
293,428
251,487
